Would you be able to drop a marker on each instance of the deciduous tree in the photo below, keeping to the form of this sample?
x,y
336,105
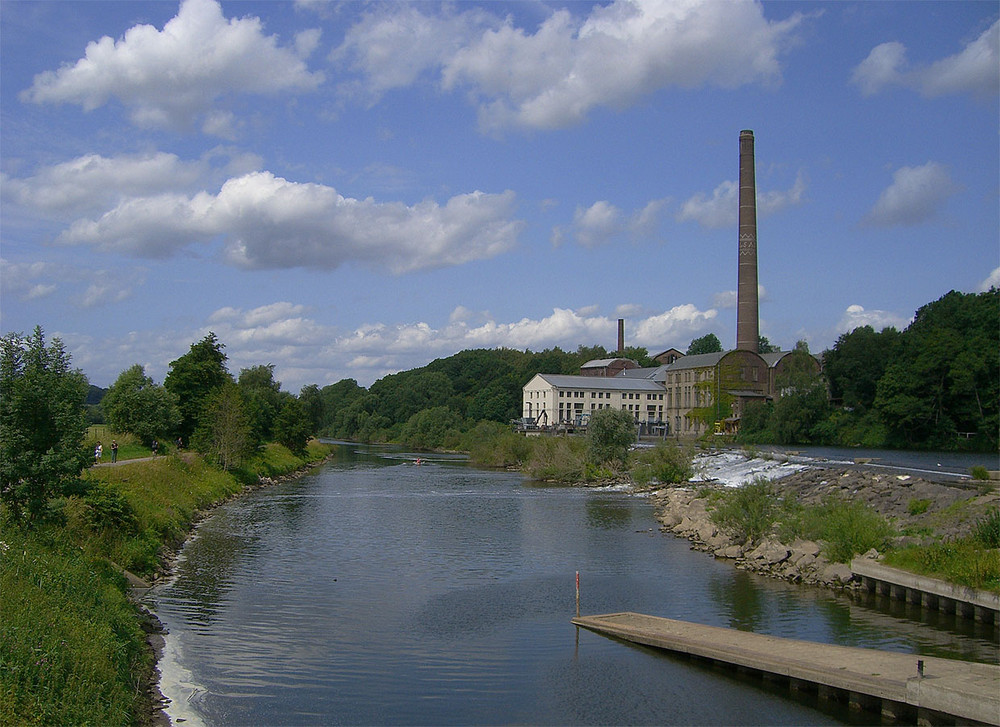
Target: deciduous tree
x,y
42,423
136,405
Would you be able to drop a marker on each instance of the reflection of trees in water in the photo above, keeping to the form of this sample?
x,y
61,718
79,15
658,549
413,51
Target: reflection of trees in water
x,y
741,599
608,514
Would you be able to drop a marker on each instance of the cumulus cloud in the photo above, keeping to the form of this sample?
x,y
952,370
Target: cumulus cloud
x,y
721,209
602,222
553,77
993,281
916,195
974,70
92,181
306,351
170,78
268,222
856,316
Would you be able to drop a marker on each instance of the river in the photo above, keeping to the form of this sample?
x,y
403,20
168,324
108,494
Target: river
x,y
375,591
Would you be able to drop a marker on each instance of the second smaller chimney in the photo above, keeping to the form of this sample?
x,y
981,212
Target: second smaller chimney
x,y
621,336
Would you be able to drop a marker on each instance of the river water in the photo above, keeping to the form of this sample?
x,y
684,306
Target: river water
x,y
378,592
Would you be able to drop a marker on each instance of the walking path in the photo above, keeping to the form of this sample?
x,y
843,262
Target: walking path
x,y
964,690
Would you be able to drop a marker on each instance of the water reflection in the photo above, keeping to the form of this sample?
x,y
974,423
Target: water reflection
x,y
376,591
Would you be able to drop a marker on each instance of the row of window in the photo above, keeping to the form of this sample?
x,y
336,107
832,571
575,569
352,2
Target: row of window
x,y
607,394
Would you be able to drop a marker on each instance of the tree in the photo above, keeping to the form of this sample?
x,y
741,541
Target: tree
x,y
292,426
193,377
765,346
709,343
224,431
610,433
136,405
42,423
263,398
855,364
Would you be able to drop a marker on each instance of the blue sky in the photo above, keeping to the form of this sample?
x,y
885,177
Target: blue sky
x,y
346,190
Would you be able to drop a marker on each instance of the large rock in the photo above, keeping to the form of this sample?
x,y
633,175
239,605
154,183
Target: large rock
x,y
770,552
837,574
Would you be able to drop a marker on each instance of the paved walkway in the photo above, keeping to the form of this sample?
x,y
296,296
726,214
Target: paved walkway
x,y
962,689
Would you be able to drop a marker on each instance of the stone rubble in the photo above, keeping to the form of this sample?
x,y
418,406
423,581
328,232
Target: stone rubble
x,y
681,511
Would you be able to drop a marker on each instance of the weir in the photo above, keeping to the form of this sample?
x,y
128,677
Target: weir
x,y
898,687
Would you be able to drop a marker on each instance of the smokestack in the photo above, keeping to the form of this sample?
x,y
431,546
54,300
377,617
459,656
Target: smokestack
x,y
747,327
621,335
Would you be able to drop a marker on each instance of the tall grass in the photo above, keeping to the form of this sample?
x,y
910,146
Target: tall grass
x,y
71,648
964,562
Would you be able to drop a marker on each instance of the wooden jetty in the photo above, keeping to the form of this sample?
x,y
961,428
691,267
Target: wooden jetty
x,y
902,687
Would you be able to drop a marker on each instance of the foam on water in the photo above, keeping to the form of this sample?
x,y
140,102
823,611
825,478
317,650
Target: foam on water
x,y
735,468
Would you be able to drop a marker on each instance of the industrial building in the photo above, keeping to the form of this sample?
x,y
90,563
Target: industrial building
x,y
685,394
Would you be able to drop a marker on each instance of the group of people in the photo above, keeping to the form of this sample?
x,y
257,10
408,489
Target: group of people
x,y
99,449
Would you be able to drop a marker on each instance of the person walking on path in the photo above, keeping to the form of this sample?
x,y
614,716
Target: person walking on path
x,y
98,451
114,451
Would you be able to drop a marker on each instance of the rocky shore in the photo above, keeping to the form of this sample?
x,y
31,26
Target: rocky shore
x,y
915,505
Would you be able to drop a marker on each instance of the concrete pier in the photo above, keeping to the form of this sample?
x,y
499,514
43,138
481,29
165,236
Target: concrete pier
x,y
903,687
983,606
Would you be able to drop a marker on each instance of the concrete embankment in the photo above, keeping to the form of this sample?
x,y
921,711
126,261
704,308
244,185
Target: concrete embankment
x,y
900,687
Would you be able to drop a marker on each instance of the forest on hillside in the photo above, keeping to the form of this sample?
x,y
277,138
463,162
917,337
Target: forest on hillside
x,y
933,385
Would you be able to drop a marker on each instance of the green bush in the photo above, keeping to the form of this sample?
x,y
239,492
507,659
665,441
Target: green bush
x,y
560,459
610,433
979,473
845,528
748,512
106,507
918,507
664,463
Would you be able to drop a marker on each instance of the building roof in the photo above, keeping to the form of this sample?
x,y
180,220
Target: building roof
x,y
698,361
617,383
599,363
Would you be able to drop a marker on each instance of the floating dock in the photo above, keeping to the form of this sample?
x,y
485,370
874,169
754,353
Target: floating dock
x,y
902,687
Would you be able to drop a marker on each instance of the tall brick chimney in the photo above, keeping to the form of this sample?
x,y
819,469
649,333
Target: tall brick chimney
x,y
747,326
621,336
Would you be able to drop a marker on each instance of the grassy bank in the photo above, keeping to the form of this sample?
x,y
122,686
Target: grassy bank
x,y
72,647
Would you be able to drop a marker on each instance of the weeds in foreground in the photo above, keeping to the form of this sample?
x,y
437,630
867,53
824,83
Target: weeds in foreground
x,y
748,512
964,562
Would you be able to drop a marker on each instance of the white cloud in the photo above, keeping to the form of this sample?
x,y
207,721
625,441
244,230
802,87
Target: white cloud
x,y
395,45
602,222
171,77
305,351
993,281
269,222
974,70
915,195
554,77
856,316
722,208
87,287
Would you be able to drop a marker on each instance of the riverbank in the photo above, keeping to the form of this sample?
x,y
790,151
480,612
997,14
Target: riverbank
x,y
921,510
77,648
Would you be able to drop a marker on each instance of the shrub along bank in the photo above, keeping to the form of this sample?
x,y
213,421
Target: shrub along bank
x,y
72,645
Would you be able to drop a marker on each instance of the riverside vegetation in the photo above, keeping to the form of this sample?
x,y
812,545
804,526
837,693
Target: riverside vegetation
x,y
73,645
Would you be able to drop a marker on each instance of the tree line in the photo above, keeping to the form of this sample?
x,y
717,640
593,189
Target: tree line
x,y
932,385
